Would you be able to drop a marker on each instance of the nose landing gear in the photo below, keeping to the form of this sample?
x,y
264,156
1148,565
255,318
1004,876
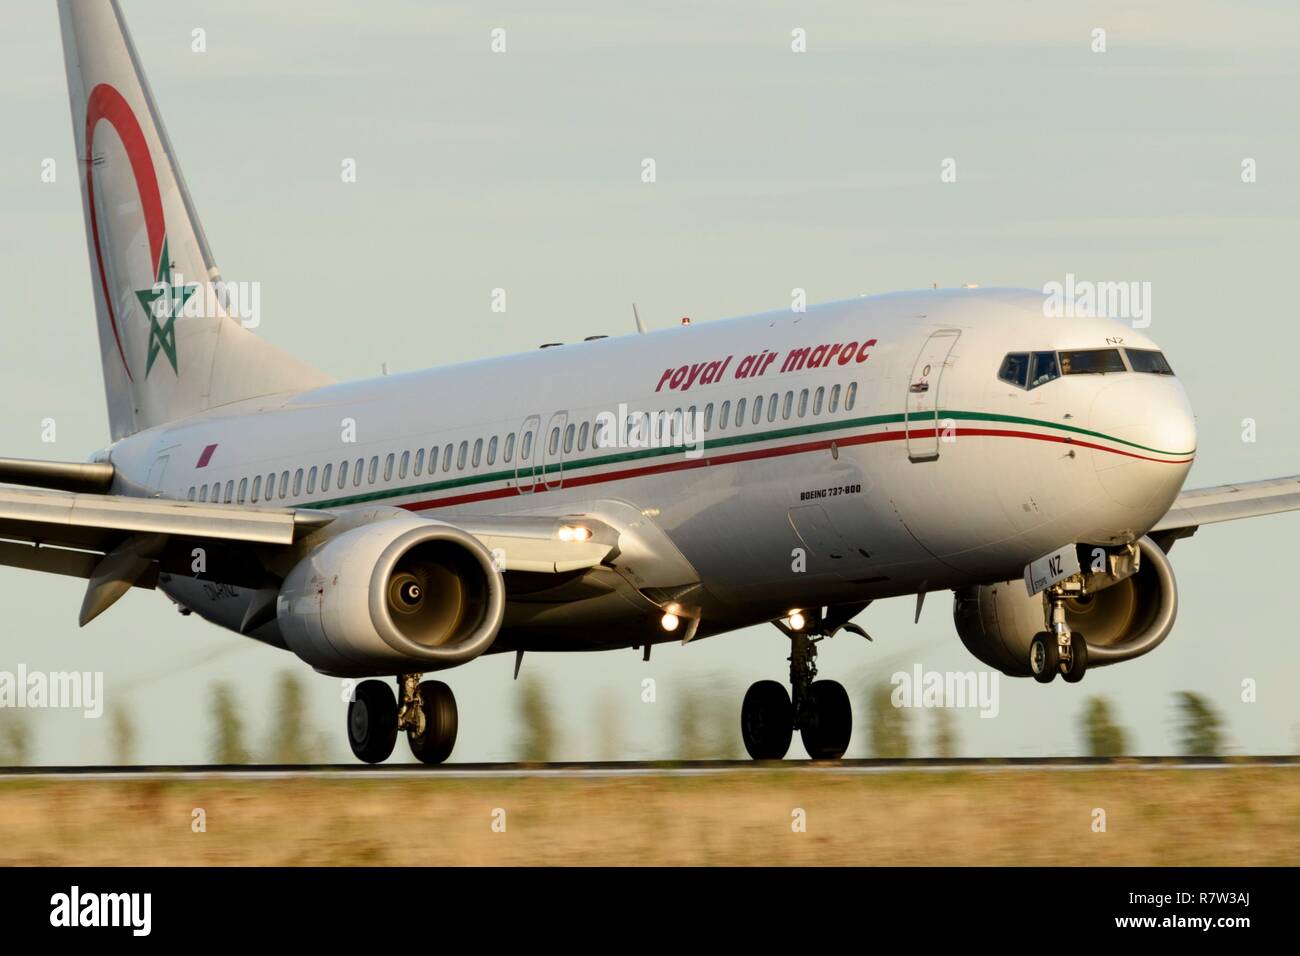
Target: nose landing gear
x,y
1058,649
818,709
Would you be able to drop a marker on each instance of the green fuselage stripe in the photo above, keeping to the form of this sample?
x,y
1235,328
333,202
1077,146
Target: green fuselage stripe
x,y
540,472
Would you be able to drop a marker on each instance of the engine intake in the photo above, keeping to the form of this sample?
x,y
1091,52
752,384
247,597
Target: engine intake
x,y
1129,618
394,596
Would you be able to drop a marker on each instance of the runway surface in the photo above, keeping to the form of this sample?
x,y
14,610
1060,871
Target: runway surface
x,y
502,771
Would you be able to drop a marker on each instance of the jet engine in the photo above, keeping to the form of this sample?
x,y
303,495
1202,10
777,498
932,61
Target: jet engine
x,y
1120,619
401,595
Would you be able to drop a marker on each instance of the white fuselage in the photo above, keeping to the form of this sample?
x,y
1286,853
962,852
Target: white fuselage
x,y
939,474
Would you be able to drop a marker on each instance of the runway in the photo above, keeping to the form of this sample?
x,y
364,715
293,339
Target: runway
x,y
506,771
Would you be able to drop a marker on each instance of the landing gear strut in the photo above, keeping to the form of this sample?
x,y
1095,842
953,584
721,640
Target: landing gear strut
x,y
818,709
427,713
1058,649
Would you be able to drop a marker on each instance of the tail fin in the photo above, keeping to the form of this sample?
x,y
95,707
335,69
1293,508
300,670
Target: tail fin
x,y
168,343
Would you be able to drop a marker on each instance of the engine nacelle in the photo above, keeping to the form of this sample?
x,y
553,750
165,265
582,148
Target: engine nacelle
x,y
394,596
1129,618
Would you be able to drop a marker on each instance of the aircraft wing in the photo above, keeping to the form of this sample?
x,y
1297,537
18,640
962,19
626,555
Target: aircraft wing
x,y
1228,502
118,542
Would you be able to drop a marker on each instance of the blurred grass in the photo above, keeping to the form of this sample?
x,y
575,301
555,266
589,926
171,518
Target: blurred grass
x,y
1239,816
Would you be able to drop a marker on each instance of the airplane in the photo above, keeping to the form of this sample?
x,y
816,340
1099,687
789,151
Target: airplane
x,y
616,493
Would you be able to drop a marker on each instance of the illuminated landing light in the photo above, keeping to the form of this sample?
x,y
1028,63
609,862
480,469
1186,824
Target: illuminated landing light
x,y
797,620
669,621
574,532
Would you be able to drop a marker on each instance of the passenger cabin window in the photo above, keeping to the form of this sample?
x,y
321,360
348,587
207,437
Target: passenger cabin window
x,y
850,396
478,452
311,480
492,447
1148,360
1091,362
510,447
243,490
1015,369
257,488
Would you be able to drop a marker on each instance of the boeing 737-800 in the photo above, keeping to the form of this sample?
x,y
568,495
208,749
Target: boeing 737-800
x,y
790,468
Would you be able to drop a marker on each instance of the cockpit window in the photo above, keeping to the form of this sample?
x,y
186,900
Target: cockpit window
x,y
1091,361
1015,369
1045,369
1149,360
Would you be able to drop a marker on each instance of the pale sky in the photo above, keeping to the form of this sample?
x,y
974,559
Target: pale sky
x,y
776,170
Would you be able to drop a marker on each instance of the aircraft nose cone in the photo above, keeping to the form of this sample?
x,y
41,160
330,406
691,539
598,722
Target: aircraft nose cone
x,y
1148,436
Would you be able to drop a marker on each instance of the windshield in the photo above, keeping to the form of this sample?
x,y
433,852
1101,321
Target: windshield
x,y
1091,362
1149,360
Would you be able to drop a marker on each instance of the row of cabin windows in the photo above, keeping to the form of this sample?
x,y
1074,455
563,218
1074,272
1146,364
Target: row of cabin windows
x,y
294,484
671,426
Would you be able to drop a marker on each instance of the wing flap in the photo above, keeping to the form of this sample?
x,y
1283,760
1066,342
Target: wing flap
x,y
93,522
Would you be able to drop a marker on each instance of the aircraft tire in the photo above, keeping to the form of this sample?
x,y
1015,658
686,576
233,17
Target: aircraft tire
x,y
767,720
372,721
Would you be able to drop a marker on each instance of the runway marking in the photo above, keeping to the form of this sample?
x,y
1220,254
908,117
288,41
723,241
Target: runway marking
x,y
498,771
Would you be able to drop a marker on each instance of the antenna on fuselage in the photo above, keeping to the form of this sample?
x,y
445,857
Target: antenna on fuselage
x,y
640,326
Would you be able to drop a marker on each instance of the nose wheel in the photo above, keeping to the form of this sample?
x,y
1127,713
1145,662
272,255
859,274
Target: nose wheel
x,y
818,709
1058,650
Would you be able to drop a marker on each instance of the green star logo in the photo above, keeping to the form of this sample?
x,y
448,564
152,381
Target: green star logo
x,y
163,302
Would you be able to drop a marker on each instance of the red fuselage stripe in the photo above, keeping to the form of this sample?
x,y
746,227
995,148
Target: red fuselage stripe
x,y
577,481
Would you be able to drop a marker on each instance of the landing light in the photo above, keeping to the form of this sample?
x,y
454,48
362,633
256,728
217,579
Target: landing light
x,y
669,621
574,532
797,620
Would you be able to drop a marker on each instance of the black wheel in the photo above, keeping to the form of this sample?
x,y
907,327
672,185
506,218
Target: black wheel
x,y
1044,657
440,721
767,720
372,721
827,722
1078,658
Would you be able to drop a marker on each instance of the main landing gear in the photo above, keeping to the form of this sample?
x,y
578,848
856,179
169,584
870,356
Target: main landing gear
x,y
427,714
1058,649
818,709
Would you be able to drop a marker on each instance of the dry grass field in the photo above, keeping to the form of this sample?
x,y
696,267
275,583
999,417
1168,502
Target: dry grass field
x,y
1229,817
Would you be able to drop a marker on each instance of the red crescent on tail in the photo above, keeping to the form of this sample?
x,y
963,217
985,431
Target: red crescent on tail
x,y
106,103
